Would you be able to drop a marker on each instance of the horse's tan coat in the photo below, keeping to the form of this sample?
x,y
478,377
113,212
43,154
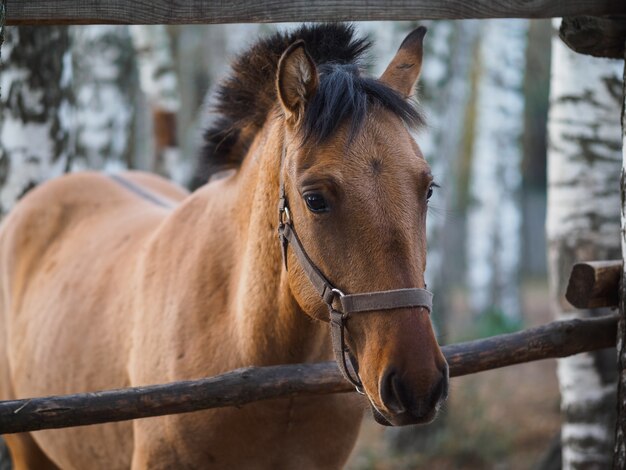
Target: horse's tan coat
x,y
100,288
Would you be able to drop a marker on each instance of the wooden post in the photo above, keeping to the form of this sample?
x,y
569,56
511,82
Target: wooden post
x,y
595,284
599,37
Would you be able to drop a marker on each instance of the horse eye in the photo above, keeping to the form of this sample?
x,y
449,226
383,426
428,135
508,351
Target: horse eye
x,y
430,192
316,203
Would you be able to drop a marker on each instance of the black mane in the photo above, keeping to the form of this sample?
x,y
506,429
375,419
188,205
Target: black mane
x,y
246,97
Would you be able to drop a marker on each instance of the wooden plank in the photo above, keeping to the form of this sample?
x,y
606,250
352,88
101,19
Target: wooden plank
x,y
258,11
594,284
243,386
598,37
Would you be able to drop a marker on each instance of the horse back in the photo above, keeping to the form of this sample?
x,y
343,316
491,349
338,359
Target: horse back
x,y
76,207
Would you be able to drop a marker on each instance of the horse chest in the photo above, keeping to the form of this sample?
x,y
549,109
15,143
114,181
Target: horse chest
x,y
316,433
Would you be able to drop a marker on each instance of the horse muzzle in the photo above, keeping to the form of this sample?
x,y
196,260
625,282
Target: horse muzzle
x,y
403,405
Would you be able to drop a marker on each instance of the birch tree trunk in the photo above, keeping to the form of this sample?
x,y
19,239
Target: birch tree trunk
x,y
583,221
494,218
619,457
35,138
5,459
158,81
444,93
104,81
35,113
227,41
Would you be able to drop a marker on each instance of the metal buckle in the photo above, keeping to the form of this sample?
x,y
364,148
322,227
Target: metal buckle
x,y
285,216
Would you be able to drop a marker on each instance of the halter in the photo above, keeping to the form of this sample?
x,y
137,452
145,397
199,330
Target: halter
x,y
341,306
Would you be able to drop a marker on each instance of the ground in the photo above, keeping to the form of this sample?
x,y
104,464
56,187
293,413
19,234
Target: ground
x,y
503,419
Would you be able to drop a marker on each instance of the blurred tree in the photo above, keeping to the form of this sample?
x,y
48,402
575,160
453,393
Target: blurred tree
x,y
619,458
35,137
35,140
536,91
494,217
5,458
444,93
583,223
159,83
201,68
104,82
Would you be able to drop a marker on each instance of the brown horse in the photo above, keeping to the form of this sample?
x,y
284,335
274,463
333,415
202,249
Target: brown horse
x,y
111,282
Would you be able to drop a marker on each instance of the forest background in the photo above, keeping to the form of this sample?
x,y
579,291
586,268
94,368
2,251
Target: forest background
x,y
523,137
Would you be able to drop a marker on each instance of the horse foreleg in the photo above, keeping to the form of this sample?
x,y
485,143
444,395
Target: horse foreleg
x,y
26,454
151,449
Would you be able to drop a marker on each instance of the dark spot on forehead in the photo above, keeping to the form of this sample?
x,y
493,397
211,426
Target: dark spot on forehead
x,y
377,165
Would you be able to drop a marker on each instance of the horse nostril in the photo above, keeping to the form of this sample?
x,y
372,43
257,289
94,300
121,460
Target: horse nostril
x,y
393,393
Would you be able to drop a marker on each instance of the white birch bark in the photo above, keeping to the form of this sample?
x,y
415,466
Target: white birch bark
x,y
35,137
104,81
619,457
583,223
494,218
157,74
444,93
158,81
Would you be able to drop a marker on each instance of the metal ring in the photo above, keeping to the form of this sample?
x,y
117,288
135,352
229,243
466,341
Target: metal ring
x,y
334,290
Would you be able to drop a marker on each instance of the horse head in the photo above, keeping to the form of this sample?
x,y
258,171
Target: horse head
x,y
357,187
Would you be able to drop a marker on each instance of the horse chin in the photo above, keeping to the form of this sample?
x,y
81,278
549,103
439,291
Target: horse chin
x,y
403,419
379,418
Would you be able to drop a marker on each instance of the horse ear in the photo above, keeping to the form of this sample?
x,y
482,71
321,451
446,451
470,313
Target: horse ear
x,y
296,80
404,70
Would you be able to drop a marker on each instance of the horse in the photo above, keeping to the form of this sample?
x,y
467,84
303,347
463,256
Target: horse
x,y
128,280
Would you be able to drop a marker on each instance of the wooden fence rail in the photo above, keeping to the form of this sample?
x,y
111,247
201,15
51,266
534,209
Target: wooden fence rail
x,y
242,386
266,11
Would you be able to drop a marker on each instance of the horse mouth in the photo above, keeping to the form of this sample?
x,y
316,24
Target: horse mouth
x,y
403,419
379,418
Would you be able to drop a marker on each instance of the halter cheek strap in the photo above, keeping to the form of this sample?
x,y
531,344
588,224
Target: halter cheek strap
x,y
340,305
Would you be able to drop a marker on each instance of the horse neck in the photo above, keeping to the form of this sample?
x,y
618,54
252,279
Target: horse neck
x,y
271,326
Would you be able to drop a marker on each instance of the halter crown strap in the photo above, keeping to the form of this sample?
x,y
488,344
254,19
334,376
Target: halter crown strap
x,y
319,281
